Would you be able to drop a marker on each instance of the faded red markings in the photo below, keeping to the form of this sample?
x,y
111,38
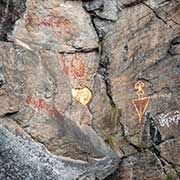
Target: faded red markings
x,y
65,68
39,105
48,21
77,67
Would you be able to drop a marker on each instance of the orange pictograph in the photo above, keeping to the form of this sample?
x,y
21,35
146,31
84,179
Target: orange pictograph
x,y
142,102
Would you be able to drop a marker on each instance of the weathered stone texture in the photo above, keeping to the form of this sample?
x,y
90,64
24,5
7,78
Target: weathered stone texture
x,y
60,26
68,71
143,44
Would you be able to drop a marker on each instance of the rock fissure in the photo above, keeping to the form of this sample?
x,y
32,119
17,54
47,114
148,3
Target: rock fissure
x,y
156,14
10,13
163,160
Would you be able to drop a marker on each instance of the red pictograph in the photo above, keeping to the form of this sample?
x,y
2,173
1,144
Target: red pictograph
x,y
40,104
47,21
78,67
65,68
30,100
29,19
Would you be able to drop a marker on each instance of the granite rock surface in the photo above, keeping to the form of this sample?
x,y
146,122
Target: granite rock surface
x,y
89,90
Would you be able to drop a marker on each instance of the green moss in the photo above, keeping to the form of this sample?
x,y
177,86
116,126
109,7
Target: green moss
x,y
124,136
171,177
140,147
110,141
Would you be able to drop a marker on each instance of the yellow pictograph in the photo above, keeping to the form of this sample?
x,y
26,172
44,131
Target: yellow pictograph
x,y
139,87
142,102
83,95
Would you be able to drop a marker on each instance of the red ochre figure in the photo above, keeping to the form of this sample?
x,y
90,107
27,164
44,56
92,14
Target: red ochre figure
x,y
40,104
79,71
29,19
48,21
65,68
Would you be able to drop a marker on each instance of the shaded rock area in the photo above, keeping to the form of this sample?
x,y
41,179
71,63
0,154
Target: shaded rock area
x,y
89,90
10,12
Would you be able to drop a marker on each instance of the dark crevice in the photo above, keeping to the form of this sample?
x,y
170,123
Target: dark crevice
x,y
94,15
156,14
9,114
10,12
87,50
172,49
175,22
96,30
133,3
163,160
157,154
155,135
103,70
104,62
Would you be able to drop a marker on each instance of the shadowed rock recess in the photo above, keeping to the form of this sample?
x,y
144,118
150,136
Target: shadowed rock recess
x,y
89,90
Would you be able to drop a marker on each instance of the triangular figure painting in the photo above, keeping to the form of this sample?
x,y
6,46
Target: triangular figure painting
x,y
141,106
142,102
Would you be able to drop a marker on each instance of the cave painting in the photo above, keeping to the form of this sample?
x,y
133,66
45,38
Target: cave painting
x,y
172,117
77,67
40,105
47,21
142,102
83,95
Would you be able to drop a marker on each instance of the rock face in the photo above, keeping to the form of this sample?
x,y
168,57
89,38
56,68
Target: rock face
x,y
89,90
141,45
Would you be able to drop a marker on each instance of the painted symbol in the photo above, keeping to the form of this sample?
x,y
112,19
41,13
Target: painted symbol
x,y
65,68
83,95
78,67
142,102
39,104
47,21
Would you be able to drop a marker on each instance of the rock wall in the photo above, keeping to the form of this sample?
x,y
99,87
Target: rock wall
x,y
89,89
